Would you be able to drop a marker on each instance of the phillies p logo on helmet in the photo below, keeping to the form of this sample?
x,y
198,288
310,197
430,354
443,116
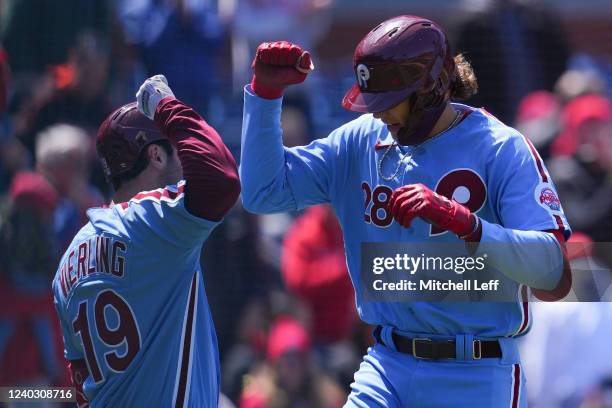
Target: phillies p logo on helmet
x,y
363,74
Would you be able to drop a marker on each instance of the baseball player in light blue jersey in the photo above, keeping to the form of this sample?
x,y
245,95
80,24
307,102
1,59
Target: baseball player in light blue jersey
x,y
416,168
129,291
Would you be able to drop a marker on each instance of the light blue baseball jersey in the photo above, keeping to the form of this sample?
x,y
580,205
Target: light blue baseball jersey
x,y
482,163
131,301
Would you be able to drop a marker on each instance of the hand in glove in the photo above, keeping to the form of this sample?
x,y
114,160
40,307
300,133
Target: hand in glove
x,y
151,92
277,65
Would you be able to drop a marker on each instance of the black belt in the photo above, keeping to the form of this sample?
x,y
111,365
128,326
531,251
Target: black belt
x,y
429,349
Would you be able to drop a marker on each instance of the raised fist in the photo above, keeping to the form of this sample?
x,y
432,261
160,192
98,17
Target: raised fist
x,y
277,65
151,92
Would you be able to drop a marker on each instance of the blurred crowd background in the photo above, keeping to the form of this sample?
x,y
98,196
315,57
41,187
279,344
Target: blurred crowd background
x,y
280,295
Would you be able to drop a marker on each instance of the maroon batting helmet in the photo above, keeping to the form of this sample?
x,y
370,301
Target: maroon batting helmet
x,y
400,57
122,137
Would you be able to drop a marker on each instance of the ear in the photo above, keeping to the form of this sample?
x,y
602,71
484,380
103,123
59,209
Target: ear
x,y
157,156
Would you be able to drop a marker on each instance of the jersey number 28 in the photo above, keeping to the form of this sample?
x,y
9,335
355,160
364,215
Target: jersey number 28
x,y
462,185
124,333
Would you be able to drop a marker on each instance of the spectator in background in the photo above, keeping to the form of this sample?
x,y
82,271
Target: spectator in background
x,y
78,92
248,348
574,83
4,81
28,251
13,156
182,39
600,396
582,165
515,47
289,377
30,344
64,156
303,22
314,269
234,246
538,118
42,33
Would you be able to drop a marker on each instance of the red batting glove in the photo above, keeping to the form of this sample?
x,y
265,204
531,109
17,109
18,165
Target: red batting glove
x,y
275,67
417,200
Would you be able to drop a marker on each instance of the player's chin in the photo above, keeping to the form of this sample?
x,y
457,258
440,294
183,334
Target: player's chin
x,y
395,136
394,130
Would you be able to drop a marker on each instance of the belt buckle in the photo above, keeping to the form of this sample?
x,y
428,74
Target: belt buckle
x,y
414,353
474,355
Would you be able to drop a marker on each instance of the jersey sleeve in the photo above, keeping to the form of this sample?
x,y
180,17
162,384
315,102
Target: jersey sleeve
x,y
275,178
524,195
209,169
160,217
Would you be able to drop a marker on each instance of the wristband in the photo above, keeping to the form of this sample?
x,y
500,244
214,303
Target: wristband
x,y
476,226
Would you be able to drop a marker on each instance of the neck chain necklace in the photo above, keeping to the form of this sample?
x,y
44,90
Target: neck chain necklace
x,y
408,154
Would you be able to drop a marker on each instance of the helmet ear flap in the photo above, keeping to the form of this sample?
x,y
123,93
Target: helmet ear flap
x,y
430,97
439,91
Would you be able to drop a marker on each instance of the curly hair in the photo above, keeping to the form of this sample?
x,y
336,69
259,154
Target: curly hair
x,y
465,84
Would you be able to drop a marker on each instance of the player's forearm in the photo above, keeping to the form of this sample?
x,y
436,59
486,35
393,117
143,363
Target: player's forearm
x,y
262,158
212,184
533,258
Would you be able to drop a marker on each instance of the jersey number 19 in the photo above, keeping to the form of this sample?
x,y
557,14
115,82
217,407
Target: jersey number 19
x,y
125,332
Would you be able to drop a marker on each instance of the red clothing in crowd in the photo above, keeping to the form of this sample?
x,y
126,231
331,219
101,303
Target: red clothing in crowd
x,y
21,361
314,269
